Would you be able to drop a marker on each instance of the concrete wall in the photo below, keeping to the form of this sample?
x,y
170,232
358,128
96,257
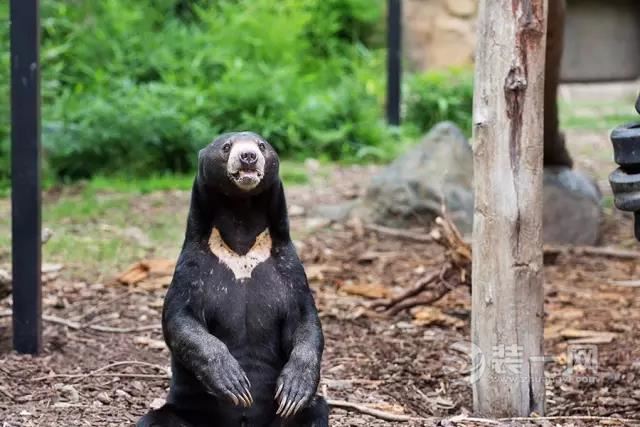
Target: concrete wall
x,y
602,40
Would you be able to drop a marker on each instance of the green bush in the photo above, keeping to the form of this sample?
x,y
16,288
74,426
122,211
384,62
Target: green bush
x,y
437,96
135,88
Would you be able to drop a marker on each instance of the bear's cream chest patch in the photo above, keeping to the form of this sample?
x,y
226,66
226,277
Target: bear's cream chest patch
x,y
241,265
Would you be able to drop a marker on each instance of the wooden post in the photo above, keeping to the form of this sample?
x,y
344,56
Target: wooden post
x,y
25,175
507,302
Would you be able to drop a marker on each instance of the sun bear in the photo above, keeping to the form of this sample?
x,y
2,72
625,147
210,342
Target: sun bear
x,y
239,318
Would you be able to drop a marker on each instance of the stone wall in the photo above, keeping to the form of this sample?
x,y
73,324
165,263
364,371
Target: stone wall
x,y
439,33
602,38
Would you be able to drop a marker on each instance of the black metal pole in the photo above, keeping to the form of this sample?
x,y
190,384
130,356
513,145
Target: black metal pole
x,y
25,175
394,60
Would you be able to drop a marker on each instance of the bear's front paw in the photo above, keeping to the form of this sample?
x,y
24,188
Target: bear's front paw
x,y
295,387
228,380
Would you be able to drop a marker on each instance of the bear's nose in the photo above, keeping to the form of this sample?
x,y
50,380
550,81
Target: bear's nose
x,y
248,158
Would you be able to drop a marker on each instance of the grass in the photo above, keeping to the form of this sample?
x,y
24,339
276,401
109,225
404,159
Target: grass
x,y
596,116
99,233
102,225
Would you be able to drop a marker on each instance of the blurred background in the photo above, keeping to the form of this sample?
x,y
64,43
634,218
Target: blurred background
x,y
134,89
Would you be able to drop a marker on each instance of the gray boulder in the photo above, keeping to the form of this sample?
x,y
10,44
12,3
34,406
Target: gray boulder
x,y
572,212
438,172
413,188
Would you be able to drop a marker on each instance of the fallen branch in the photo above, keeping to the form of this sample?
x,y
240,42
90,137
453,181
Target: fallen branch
x,y
456,271
573,418
383,415
400,233
415,290
625,283
97,372
99,328
606,252
418,300
103,304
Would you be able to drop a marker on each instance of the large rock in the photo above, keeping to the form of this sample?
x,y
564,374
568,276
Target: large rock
x,y
572,211
412,190
439,172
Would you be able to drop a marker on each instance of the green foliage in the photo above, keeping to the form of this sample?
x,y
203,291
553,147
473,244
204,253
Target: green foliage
x,y
135,88
437,96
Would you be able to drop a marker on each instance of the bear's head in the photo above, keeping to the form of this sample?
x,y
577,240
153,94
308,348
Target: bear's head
x,y
238,164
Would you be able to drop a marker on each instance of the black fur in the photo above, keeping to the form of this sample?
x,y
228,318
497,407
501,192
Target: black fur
x,y
229,336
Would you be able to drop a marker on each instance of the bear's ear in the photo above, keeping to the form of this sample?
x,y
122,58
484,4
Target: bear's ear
x,y
278,218
199,167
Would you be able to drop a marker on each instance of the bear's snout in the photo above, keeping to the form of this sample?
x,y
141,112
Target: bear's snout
x,y
246,164
248,158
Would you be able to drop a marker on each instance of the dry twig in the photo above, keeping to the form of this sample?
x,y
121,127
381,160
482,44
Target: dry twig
x,y
455,271
97,372
399,233
573,418
387,416
593,251
98,328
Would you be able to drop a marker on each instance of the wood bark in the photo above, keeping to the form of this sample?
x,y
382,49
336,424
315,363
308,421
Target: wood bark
x,y
507,302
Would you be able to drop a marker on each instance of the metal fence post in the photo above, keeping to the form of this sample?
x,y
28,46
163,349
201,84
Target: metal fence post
x,y
394,60
25,175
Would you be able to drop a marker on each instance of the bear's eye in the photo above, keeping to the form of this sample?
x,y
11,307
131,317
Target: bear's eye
x,y
226,147
262,146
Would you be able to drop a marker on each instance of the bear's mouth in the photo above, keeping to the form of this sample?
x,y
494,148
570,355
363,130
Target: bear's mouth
x,y
247,178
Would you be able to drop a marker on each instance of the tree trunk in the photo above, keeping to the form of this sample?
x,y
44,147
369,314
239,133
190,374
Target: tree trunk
x,y
507,319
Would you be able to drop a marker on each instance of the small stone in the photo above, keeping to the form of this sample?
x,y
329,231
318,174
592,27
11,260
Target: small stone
x,y
123,394
104,398
137,385
62,405
296,210
70,393
157,403
150,342
47,233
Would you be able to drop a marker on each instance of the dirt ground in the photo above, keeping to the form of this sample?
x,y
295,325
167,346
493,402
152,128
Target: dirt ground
x,y
105,364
